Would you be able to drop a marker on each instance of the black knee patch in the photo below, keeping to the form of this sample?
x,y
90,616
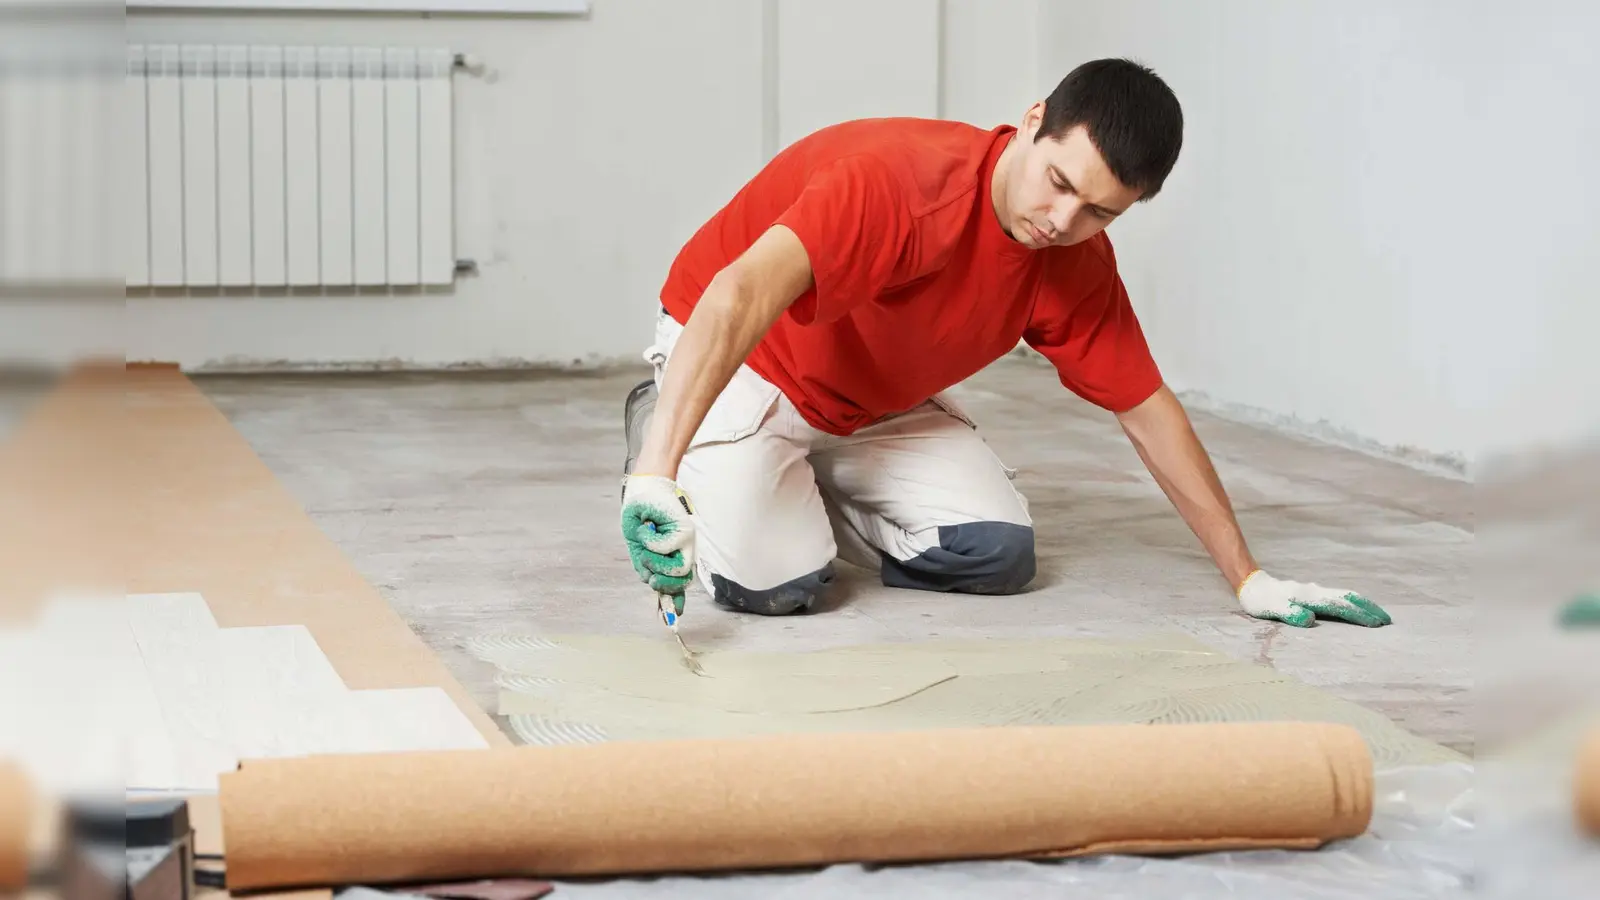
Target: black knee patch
x,y
794,596
973,558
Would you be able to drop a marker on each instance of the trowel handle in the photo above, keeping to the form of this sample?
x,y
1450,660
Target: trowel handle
x,y
669,610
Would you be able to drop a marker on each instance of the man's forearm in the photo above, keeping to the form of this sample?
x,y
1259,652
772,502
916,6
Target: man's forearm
x,y
719,335
1165,440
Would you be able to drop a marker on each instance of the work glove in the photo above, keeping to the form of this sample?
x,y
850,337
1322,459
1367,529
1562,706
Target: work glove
x,y
660,534
1299,604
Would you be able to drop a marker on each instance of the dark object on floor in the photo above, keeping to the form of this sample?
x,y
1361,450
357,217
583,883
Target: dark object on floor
x,y
1583,612
160,850
143,850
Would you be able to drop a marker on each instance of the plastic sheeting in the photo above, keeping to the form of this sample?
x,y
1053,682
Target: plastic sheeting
x,y
1527,844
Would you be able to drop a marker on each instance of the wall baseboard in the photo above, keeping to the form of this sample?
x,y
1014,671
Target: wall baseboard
x,y
253,366
1447,465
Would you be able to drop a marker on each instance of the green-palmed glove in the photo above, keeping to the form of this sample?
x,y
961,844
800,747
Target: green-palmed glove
x,y
660,534
1300,604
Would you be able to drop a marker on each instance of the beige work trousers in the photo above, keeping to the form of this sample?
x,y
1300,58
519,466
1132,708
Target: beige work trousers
x,y
919,497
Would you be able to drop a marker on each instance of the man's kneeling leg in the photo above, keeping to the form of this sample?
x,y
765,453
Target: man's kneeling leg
x,y
797,595
934,504
970,558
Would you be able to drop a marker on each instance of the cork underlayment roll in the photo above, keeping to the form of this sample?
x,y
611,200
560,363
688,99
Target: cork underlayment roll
x,y
630,808
1588,784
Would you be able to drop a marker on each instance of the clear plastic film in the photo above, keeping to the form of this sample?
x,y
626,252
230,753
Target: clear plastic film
x,y
1527,842
1422,843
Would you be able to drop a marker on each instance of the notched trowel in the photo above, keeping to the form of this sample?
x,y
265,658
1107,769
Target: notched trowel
x,y
669,615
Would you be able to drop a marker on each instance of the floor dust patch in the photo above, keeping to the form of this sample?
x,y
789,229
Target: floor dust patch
x,y
557,689
638,669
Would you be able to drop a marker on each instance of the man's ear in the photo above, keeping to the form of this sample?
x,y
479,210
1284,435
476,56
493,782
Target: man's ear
x,y
1032,119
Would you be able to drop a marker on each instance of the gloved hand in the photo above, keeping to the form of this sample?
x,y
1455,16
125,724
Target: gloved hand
x,y
1299,604
660,534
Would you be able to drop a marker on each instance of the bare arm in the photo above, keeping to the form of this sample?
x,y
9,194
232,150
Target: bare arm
x,y
737,309
1165,440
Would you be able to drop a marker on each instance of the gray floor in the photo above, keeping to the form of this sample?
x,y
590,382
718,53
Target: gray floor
x,y
488,502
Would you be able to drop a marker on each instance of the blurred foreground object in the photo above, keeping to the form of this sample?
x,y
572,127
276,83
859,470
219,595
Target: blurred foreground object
x,y
160,850
1583,612
138,850
1588,784
91,863
16,825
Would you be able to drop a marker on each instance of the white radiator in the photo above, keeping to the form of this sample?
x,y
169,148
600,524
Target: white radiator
x,y
266,166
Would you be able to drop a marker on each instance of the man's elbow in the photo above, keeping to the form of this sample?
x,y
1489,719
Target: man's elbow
x,y
728,291
737,308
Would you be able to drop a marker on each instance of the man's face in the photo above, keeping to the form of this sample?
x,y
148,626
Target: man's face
x,y
1060,192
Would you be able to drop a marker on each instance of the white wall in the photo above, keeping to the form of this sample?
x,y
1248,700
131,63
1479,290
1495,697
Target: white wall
x,y
883,62
586,155
990,53
1385,216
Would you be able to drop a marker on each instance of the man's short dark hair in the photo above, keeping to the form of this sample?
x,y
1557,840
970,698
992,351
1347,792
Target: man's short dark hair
x,y
1132,117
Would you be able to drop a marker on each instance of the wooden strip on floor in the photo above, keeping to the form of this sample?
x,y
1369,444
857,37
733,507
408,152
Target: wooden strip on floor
x,y
127,481
212,519
61,510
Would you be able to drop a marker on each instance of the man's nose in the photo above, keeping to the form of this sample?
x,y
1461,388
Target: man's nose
x,y
1061,216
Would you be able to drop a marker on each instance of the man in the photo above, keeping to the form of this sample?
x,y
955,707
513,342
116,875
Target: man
x,y
808,330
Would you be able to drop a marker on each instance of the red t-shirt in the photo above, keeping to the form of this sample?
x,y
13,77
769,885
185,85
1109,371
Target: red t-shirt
x,y
917,287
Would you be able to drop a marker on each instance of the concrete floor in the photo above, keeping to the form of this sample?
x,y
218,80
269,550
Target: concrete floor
x,y
488,502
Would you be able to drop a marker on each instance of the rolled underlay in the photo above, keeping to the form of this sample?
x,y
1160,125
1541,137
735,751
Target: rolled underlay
x,y
638,807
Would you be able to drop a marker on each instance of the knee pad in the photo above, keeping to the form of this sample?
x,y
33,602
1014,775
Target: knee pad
x,y
796,595
971,558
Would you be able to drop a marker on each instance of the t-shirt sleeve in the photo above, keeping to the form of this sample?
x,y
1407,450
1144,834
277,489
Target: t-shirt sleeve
x,y
855,226
1084,324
